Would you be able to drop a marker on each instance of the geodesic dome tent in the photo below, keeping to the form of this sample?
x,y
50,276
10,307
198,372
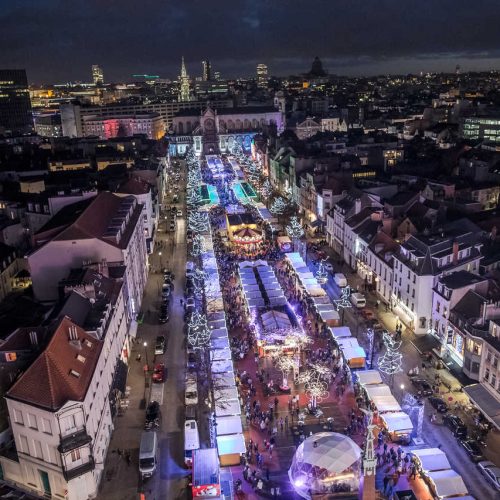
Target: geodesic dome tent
x,y
325,462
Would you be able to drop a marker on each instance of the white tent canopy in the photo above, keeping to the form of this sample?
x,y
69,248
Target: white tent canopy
x,y
229,425
315,291
222,366
223,379
220,354
369,377
397,422
219,342
340,331
329,315
325,307
432,459
447,483
225,408
333,452
322,300
346,342
230,444
226,393
351,353
219,333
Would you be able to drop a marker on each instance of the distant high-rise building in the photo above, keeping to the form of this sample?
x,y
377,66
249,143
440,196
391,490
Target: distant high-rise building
x,y
207,71
97,75
184,94
217,76
262,75
15,103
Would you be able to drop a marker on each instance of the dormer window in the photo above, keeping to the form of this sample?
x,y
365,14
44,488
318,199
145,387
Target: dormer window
x,y
80,358
74,373
88,344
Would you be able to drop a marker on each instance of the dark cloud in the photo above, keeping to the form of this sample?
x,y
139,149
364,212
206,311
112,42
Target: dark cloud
x,y
60,39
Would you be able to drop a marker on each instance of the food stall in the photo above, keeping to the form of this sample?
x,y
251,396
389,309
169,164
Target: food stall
x,y
369,377
330,318
229,425
355,357
222,366
230,448
340,332
431,459
381,397
219,342
223,379
220,354
224,408
399,426
446,483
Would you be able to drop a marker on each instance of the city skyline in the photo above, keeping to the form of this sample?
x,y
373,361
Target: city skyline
x,y
351,39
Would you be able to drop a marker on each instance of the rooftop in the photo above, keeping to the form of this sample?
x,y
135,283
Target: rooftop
x,y
63,371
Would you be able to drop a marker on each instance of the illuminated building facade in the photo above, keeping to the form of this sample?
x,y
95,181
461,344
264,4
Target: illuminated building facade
x,y
262,75
124,126
97,75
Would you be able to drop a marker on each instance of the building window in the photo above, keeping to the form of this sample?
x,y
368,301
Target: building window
x,y
475,367
493,380
487,374
413,293
69,423
24,445
46,427
38,449
438,306
18,417
414,278
32,423
75,455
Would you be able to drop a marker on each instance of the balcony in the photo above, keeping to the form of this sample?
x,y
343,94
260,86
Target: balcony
x,y
80,470
75,440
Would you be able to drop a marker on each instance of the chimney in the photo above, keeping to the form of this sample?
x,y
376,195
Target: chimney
x,y
357,206
455,252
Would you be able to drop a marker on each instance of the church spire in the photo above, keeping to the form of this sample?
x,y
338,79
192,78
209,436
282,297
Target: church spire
x,y
184,93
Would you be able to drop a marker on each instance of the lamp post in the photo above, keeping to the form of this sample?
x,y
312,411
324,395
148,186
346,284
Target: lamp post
x,y
161,261
145,344
402,387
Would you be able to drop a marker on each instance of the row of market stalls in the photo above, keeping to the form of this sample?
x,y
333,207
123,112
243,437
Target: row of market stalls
x,y
354,355
394,419
227,407
436,470
216,165
260,286
236,168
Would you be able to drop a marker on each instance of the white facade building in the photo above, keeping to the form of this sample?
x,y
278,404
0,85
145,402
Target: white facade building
x,y
109,230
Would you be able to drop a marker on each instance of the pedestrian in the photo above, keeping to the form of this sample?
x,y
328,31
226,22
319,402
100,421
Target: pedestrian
x,y
286,422
386,482
413,474
127,457
390,486
267,473
282,423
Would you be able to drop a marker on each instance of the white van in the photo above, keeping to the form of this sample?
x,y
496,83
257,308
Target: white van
x,y
340,280
358,300
148,454
191,394
191,441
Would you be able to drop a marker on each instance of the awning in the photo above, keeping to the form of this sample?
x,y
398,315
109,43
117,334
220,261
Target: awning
x,y
398,422
369,377
340,332
487,403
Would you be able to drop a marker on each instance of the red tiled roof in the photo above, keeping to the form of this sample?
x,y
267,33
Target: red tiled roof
x,y
58,375
94,220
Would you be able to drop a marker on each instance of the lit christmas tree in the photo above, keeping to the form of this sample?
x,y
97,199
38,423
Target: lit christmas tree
x,y
193,198
198,331
278,206
266,190
198,222
294,231
198,245
391,361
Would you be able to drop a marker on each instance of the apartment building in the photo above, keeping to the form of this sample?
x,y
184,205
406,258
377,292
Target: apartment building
x,y
422,259
9,267
110,229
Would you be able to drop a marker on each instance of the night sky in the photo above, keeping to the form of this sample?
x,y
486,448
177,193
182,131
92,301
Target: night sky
x,y
58,40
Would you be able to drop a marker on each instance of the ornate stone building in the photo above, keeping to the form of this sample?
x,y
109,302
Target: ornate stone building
x,y
217,130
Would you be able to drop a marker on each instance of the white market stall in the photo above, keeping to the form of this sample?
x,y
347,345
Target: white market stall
x,y
431,459
226,393
331,318
223,379
381,397
229,425
230,448
226,408
220,354
219,342
222,366
369,377
447,483
355,357
340,332
399,426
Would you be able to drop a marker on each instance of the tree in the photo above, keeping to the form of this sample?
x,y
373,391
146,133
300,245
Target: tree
x,y
322,273
316,380
266,191
198,245
294,231
345,301
193,198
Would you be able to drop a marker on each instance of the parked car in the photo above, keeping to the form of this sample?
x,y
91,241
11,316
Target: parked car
x,y
455,424
191,394
491,472
439,404
472,449
160,345
191,359
159,373
153,411
179,213
423,387
163,315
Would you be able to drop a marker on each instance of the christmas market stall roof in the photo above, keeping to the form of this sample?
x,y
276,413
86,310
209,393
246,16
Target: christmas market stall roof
x,y
231,444
382,398
368,377
432,459
273,320
220,354
225,393
219,342
227,407
341,331
223,366
219,333
397,422
223,379
447,483
229,425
